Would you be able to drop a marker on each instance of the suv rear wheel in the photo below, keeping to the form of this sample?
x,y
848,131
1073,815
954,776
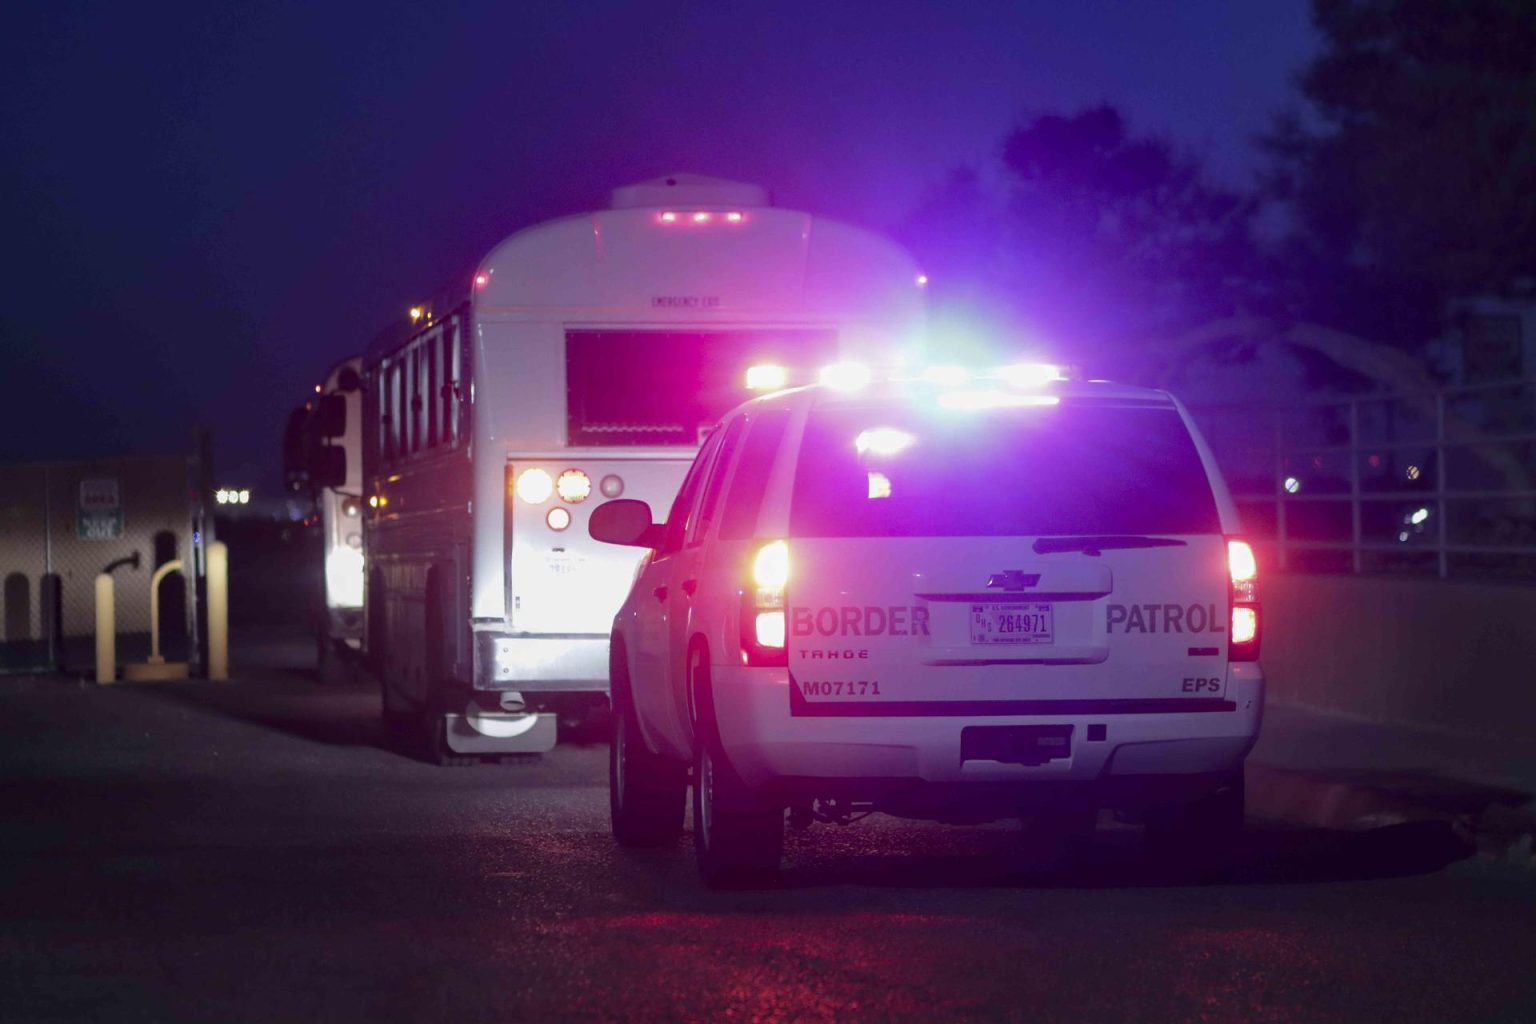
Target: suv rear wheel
x,y
737,837
646,791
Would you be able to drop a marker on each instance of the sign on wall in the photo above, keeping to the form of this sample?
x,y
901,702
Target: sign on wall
x,y
100,515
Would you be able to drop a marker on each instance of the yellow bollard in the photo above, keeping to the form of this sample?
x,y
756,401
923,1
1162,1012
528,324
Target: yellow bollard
x,y
156,668
106,630
218,610
174,565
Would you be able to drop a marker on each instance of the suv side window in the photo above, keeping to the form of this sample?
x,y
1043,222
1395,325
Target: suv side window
x,y
728,444
672,539
745,499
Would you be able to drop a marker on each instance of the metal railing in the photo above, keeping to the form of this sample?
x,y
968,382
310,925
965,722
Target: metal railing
x,y
1440,482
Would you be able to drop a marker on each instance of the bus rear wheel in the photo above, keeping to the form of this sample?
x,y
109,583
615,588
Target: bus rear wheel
x,y
330,669
440,691
438,750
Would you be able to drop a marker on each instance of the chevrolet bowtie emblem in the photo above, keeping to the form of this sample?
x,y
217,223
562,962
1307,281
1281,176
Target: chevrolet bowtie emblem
x,y
1013,579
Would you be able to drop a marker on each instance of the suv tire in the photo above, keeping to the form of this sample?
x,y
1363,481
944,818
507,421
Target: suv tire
x,y
738,838
646,791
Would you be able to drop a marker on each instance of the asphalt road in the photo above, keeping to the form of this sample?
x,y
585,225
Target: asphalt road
x,y
250,852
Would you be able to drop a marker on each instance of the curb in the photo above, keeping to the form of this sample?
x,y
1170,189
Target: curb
x,y
1500,823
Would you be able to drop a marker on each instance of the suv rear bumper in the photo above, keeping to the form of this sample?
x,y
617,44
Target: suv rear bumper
x,y
773,749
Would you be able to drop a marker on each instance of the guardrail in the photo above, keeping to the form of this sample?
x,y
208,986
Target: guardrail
x,y
1436,482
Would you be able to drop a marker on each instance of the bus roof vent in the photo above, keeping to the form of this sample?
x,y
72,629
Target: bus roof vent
x,y
689,190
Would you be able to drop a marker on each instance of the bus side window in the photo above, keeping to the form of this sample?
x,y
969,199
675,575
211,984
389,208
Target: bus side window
x,y
716,484
415,372
765,435
386,443
432,397
452,382
672,539
397,407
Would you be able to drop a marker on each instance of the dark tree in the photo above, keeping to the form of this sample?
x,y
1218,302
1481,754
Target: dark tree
x,y
1411,175
1092,238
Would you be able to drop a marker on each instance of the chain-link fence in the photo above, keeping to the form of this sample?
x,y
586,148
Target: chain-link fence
x,y
61,524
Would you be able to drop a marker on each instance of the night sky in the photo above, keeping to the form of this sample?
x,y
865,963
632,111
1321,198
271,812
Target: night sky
x,y
204,205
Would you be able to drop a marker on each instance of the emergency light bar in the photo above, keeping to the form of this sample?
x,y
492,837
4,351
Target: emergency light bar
x,y
767,377
988,387
851,376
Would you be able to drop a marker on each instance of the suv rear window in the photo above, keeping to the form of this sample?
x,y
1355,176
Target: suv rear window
x,y
1071,469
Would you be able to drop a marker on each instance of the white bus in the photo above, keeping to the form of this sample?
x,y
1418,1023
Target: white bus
x,y
323,455
584,359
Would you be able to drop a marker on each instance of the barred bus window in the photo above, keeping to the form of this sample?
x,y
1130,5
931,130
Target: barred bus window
x,y
458,387
416,399
397,407
386,450
432,396
445,390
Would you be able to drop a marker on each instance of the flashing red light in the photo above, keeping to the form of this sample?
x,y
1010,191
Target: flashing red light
x,y
846,376
701,218
766,377
734,217
482,279
668,218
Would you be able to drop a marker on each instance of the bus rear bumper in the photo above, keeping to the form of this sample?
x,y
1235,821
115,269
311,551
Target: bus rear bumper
x,y
542,663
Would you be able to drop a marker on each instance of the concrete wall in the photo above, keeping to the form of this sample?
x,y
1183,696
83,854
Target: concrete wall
x,y
1436,653
40,535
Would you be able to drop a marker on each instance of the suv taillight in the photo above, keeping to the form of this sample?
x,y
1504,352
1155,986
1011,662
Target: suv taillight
x,y
1243,643
763,626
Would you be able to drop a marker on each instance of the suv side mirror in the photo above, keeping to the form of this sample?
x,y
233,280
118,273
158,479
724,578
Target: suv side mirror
x,y
624,521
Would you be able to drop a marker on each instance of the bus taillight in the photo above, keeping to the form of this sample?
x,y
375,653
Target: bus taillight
x,y
573,486
535,486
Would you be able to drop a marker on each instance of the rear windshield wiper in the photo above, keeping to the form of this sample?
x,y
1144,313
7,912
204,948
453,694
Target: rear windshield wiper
x,y
1094,545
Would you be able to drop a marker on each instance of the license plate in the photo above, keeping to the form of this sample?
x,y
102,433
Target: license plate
x,y
1012,623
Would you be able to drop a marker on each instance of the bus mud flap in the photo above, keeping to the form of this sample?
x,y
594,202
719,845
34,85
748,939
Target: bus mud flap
x,y
500,732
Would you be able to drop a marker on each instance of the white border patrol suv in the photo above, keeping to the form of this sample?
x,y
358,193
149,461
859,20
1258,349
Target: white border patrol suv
x,y
950,597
